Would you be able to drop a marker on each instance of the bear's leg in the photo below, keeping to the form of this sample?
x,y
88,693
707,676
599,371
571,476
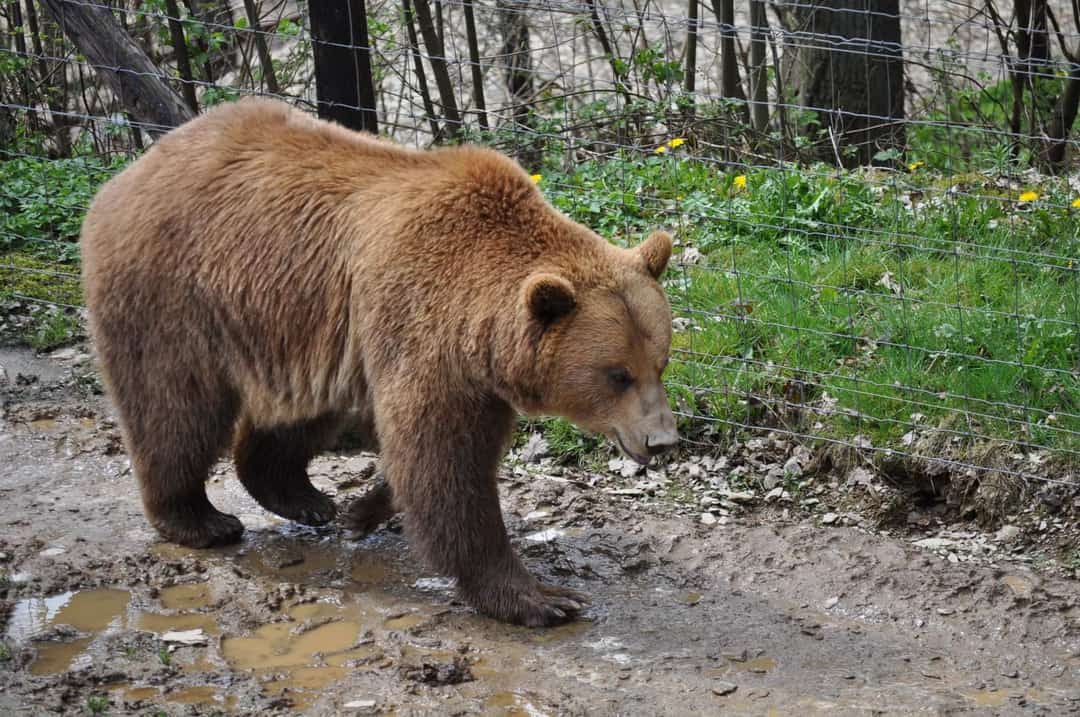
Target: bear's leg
x,y
272,465
375,507
441,462
172,447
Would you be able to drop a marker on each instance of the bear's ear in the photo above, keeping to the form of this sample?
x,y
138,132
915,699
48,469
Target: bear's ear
x,y
656,250
548,297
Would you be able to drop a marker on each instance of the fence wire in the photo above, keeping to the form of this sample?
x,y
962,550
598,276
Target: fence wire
x,y
874,202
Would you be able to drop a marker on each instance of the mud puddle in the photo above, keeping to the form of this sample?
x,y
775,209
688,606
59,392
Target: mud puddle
x,y
751,617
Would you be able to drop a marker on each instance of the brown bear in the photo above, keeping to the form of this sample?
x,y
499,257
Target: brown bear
x,y
258,274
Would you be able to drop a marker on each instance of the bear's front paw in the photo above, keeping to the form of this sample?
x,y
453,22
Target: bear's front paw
x,y
530,603
199,529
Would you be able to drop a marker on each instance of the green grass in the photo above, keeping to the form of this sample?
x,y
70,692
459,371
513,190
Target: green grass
x,y
966,303
97,704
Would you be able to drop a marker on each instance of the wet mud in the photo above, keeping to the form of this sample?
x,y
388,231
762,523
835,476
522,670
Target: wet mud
x,y
752,617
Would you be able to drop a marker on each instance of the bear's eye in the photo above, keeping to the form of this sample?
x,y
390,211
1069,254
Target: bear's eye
x,y
620,378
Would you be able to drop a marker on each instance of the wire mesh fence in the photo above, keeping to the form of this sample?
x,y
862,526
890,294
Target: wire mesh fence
x,y
874,202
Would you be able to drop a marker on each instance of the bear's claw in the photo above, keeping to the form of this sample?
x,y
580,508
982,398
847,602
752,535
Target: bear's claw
x,y
200,530
310,507
537,605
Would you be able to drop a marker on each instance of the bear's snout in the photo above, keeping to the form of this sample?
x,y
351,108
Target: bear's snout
x,y
661,442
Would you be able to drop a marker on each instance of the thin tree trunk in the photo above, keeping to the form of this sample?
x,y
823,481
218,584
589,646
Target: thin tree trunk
x,y
180,49
60,123
759,71
609,51
474,62
18,32
437,58
265,61
730,84
15,27
1062,122
690,79
200,42
121,64
418,66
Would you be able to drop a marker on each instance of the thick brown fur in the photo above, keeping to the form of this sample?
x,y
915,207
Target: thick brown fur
x,y
259,273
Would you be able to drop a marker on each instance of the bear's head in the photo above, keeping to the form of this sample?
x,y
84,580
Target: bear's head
x,y
603,347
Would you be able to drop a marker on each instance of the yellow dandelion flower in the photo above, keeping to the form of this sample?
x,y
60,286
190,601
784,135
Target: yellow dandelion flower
x,y
915,165
676,142
740,182
537,177
661,149
1076,203
1029,196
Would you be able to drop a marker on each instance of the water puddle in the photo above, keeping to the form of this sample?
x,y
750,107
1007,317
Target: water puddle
x,y
94,611
303,684
55,657
405,622
757,666
140,694
191,596
276,645
155,622
511,704
202,696
86,611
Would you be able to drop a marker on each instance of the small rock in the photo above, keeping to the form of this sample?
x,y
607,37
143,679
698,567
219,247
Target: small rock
x,y
535,449
945,611
830,518
740,656
1007,533
793,467
360,704
536,515
434,583
1011,674
545,536
724,688
52,552
625,467
739,497
708,519
935,543
831,603
185,637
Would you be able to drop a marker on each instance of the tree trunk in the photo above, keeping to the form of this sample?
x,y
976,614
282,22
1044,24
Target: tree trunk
x,y
690,78
730,83
474,62
759,71
846,64
180,49
514,32
437,58
265,61
1057,153
418,67
121,64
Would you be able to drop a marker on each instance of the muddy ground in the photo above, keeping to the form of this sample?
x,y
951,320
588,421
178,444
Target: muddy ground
x,y
744,612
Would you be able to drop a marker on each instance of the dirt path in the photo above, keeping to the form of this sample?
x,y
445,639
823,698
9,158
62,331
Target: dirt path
x,y
750,617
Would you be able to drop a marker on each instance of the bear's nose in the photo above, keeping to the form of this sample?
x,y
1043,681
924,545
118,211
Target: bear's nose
x,y
658,443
